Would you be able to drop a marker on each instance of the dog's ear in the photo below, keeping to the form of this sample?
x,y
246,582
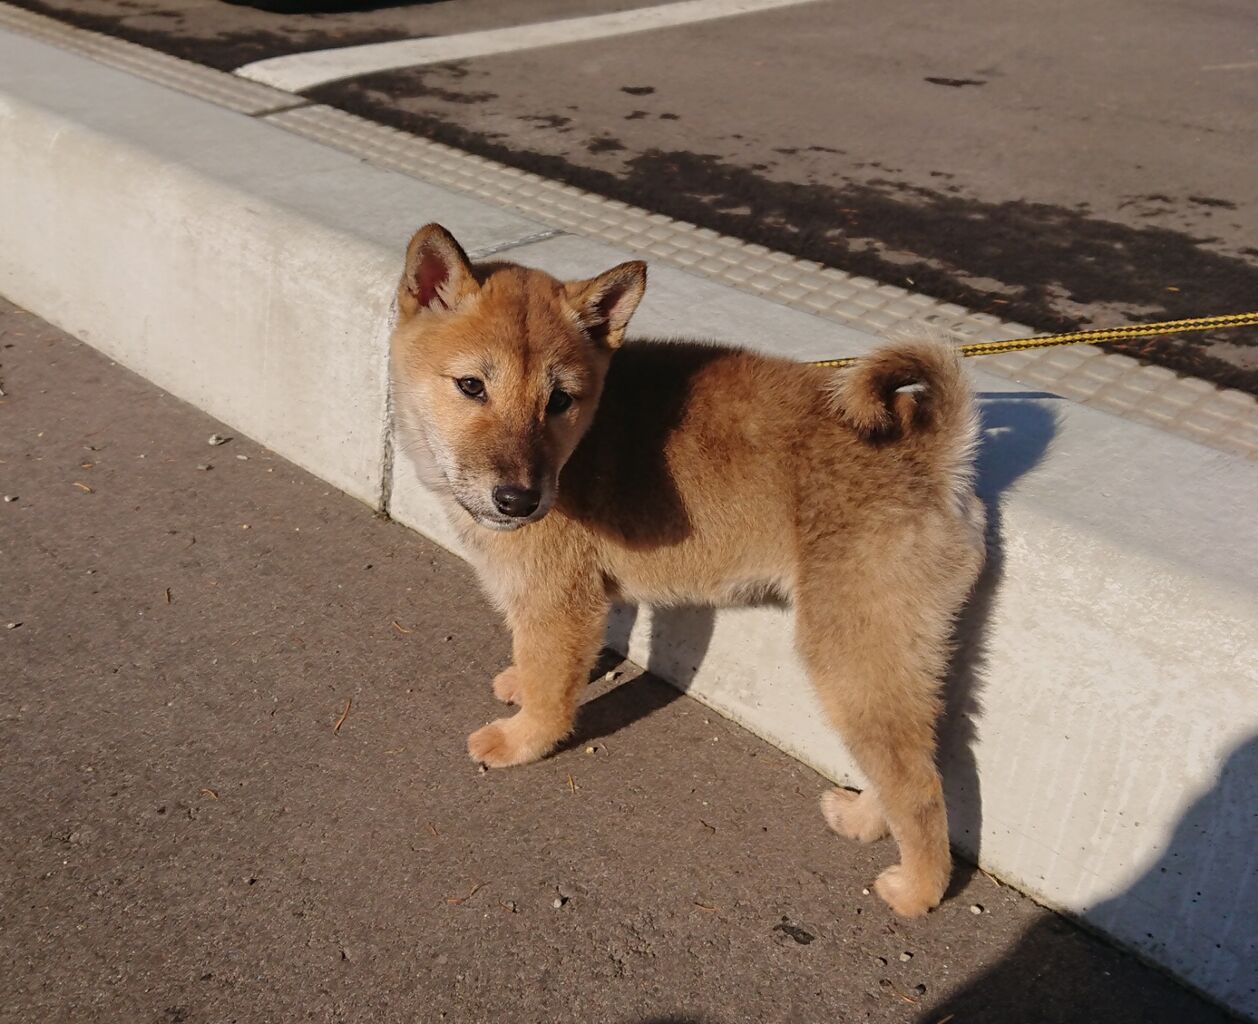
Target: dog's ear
x,y
605,303
438,275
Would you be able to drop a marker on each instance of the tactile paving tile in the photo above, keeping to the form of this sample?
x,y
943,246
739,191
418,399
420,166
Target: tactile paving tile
x,y
856,300
1222,418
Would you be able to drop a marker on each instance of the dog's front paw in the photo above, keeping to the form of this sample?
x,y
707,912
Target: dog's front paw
x,y
906,895
854,815
507,685
509,741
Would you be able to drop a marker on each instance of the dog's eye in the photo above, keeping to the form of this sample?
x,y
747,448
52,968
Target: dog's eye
x,y
473,387
559,402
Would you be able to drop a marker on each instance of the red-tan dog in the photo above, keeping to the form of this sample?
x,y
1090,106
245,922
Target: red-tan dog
x,y
581,470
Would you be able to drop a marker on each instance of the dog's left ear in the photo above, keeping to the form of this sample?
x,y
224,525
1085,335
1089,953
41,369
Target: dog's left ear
x,y
437,276
605,303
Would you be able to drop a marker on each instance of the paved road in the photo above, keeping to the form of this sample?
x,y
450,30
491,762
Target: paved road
x,y
1079,163
188,837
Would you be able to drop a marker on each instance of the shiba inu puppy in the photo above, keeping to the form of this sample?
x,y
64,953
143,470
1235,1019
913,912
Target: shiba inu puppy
x,y
580,469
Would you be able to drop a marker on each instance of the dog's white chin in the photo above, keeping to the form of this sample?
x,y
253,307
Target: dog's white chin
x,y
500,525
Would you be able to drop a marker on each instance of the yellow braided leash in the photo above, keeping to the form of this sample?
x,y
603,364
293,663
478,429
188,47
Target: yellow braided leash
x,y
991,348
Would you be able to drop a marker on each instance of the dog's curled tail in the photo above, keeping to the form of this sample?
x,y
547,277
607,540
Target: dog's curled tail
x,y
913,393
871,395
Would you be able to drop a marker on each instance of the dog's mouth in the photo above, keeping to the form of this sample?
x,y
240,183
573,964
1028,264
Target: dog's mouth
x,y
501,524
504,524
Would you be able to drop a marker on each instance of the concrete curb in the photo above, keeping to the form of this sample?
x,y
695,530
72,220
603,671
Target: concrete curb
x,y
1102,748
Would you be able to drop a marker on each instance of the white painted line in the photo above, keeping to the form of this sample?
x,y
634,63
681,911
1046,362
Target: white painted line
x,y
305,70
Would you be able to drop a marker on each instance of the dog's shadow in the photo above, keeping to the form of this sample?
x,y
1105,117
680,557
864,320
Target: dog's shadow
x,y
679,642
1017,429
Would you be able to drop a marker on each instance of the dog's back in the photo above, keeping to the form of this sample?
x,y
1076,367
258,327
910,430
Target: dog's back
x,y
708,470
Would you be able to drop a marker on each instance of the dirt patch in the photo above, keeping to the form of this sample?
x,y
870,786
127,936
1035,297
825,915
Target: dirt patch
x,y
604,144
421,85
955,83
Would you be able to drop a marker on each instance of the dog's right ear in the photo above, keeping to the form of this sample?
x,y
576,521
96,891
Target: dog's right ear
x,y
605,303
438,275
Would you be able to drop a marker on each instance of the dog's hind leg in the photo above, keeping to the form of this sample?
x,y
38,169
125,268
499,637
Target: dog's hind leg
x,y
876,658
556,638
854,815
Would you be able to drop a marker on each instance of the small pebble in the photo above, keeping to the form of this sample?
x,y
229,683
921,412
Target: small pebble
x,y
865,892
905,957
481,769
11,625
920,989
217,439
557,902
204,467
976,908
590,750
10,497
243,458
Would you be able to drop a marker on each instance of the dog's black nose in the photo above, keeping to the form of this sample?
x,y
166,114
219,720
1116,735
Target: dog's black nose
x,y
516,501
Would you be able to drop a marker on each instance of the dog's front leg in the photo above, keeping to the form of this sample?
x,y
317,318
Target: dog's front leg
x,y
556,640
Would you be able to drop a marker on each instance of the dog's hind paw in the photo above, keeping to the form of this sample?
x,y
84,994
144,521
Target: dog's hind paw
x,y
854,815
906,895
507,685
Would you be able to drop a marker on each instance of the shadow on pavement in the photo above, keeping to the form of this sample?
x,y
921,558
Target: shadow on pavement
x,y
1206,881
679,640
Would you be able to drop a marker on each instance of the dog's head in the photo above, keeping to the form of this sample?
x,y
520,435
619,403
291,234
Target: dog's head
x,y
497,371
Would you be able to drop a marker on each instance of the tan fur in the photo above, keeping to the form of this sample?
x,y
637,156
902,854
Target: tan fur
x,y
694,473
